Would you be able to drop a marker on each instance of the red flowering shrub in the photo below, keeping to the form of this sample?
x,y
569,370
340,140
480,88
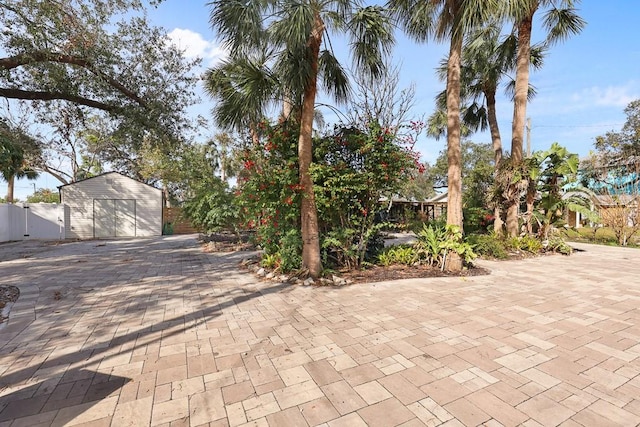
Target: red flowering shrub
x,y
352,168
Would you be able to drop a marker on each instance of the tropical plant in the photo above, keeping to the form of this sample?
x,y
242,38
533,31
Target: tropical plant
x,y
557,168
557,244
429,246
211,207
296,36
434,244
206,199
447,20
401,254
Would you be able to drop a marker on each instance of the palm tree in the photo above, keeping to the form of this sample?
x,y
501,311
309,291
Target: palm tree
x,y
560,21
16,149
14,165
447,20
243,87
489,58
294,37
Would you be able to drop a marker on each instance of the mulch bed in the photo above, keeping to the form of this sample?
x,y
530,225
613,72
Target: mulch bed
x,y
397,272
8,294
225,242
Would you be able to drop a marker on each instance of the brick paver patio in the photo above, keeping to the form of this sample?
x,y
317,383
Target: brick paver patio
x,y
157,333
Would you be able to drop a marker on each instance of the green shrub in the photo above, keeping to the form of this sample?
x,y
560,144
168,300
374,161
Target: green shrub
x,y
488,245
290,251
477,219
435,243
531,244
385,258
270,261
558,245
401,254
512,243
429,246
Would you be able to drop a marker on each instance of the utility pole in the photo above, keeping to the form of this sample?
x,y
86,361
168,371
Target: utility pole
x,y
528,127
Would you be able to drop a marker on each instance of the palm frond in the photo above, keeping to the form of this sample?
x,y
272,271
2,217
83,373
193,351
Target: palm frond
x,y
417,17
293,28
238,24
333,76
562,23
371,39
243,89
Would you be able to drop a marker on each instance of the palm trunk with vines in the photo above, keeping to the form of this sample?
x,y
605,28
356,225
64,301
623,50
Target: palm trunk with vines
x,y
520,107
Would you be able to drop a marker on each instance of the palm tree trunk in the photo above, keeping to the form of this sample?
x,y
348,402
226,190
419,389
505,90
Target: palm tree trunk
x,y
287,107
454,155
496,142
254,133
309,214
531,197
520,107
10,186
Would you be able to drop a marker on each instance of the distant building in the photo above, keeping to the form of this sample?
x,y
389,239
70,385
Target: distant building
x,y
397,207
111,205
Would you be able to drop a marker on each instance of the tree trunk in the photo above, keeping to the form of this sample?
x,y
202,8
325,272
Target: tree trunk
x,y
454,156
309,214
520,107
254,133
496,142
10,185
287,107
512,221
531,197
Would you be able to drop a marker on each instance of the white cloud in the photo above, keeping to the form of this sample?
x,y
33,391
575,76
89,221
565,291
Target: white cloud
x,y
610,96
195,46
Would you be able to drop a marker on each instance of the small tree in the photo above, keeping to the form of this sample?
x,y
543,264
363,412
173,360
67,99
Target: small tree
x,y
44,195
352,167
356,168
613,172
206,199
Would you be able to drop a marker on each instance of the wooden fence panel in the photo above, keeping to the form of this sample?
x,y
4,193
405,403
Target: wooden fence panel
x,y
181,224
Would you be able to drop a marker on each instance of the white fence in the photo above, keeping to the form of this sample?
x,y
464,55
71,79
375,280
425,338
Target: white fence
x,y
31,221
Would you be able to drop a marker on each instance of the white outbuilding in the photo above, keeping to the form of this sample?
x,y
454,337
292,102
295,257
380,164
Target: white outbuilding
x,y
111,205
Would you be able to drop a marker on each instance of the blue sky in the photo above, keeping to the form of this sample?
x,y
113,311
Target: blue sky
x,y
583,88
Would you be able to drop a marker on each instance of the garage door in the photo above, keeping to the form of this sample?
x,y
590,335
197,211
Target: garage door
x,y
114,218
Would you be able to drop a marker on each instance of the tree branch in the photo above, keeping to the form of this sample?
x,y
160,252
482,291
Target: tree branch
x,y
57,174
19,60
50,96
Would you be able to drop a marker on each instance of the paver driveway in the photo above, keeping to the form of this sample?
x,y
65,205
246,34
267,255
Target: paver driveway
x,y
155,332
